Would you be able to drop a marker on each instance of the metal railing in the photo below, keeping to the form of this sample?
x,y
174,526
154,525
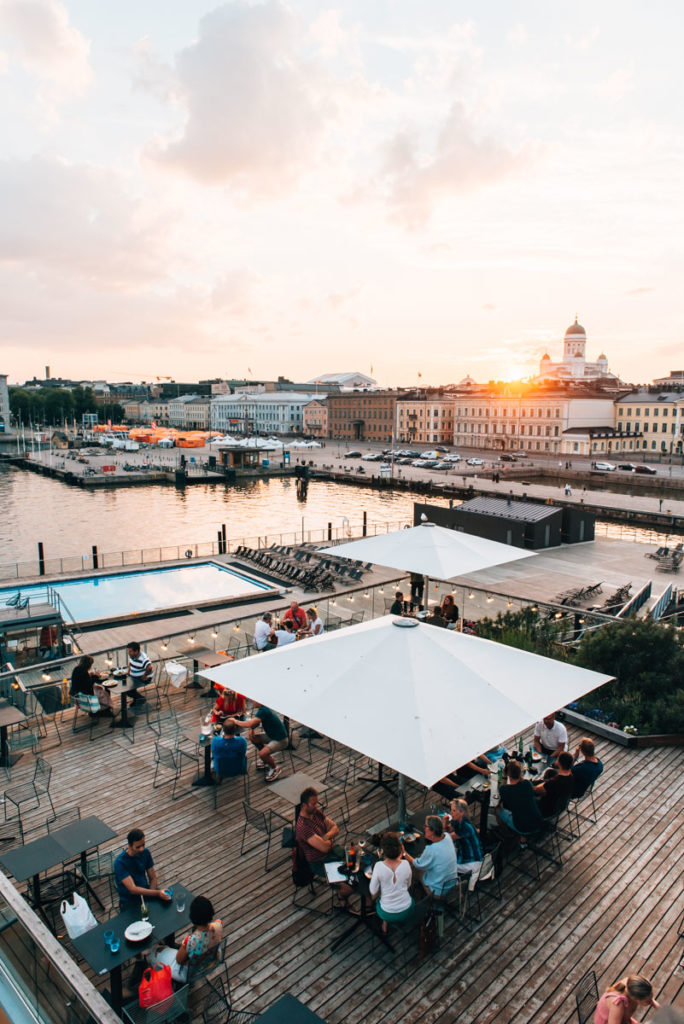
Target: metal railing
x,y
635,602
662,603
178,552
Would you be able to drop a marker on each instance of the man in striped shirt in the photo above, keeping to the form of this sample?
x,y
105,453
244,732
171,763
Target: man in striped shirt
x,y
139,670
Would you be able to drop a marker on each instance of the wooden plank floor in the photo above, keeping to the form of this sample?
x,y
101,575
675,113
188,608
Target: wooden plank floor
x,y
613,906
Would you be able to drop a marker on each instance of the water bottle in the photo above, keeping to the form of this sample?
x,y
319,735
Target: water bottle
x,y
144,912
520,747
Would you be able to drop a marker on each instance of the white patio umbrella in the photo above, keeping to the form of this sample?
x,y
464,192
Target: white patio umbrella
x,y
419,699
431,550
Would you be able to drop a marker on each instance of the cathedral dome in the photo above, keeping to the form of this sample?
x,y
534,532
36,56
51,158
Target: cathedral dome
x,y
546,358
575,329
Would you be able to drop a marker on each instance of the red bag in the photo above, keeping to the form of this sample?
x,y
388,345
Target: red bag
x,y
155,985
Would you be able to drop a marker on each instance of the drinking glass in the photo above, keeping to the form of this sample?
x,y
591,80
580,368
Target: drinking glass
x,y
180,904
108,935
114,944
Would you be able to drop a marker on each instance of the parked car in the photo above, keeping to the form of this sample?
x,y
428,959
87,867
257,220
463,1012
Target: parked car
x,y
372,457
419,463
444,464
505,457
607,467
628,467
645,469
405,460
441,448
414,455
430,463
352,455
474,462
431,453
452,458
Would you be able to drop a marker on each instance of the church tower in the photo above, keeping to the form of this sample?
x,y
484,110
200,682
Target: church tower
x,y
575,344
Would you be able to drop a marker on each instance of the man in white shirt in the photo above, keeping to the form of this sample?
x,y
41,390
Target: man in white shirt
x,y
262,633
550,737
286,635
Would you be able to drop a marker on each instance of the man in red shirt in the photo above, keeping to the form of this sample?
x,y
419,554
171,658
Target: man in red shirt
x,y
295,615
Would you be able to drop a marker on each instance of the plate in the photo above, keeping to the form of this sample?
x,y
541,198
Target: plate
x,y
138,931
536,757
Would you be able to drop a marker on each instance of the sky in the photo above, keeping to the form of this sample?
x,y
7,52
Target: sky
x,y
196,190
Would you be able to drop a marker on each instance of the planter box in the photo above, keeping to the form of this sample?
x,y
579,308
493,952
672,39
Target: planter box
x,y
626,739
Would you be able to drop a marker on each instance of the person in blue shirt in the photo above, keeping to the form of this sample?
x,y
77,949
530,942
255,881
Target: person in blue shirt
x,y
229,752
436,866
466,839
268,734
585,772
135,873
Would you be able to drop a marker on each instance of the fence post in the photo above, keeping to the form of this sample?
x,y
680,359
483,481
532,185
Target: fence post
x,y
41,559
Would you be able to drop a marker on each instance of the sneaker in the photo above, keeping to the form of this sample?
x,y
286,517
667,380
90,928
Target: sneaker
x,y
272,774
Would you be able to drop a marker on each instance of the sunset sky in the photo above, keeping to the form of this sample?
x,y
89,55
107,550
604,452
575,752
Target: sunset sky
x,y
193,189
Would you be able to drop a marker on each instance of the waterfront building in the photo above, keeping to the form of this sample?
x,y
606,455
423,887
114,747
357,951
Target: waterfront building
x,y
574,365
597,441
425,419
345,381
190,412
674,380
530,418
280,412
658,416
315,418
155,411
363,415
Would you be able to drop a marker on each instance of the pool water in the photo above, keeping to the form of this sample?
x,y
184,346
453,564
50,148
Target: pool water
x,y
102,597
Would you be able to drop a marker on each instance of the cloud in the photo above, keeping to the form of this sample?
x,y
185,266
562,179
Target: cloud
x,y
47,46
79,221
461,161
615,87
639,291
256,106
233,293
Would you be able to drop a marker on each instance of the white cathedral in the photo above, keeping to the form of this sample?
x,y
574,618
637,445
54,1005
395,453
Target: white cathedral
x,y
574,365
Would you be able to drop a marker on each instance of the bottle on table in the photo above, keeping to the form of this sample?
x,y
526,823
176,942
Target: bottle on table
x,y
351,859
520,746
144,912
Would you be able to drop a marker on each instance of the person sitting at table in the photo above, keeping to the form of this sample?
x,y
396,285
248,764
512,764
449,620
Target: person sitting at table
x,y
437,865
228,703
285,635
263,630
447,786
316,627
550,737
390,882
135,873
466,839
199,947
553,794
397,607
268,734
585,772
229,752
449,611
139,670
295,616
315,836
82,678
518,811
619,1003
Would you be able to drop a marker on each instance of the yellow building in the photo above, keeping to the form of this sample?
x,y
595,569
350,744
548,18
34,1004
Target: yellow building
x,y
425,420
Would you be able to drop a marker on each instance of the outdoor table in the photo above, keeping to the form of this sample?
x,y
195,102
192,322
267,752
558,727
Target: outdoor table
x,y
120,689
288,1010
290,788
205,657
366,916
207,778
99,957
55,848
9,715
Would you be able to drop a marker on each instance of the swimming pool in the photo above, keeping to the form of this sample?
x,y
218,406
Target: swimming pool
x,y
147,590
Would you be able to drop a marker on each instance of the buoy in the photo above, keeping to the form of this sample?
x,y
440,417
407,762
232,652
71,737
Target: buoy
x,y
188,553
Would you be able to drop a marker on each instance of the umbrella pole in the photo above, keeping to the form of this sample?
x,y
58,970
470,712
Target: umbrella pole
x,y
401,782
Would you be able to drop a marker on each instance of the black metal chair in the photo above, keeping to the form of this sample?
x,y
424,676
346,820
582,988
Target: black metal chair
x,y
39,786
170,1009
220,774
574,805
218,1007
586,997
487,882
266,822
166,757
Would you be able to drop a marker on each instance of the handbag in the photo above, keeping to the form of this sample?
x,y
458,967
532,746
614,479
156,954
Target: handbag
x,y
77,916
427,935
156,985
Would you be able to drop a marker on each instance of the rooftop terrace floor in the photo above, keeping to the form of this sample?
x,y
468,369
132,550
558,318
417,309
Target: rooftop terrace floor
x,y
613,906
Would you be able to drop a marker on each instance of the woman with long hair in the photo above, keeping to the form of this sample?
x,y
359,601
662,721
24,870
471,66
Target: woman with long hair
x,y
449,611
198,948
315,624
618,1004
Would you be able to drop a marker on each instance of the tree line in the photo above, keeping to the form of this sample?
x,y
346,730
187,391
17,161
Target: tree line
x,y
52,406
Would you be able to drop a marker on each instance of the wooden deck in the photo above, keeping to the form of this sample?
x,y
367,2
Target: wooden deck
x,y
613,906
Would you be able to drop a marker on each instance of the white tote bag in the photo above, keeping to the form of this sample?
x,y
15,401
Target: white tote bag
x,y
77,916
